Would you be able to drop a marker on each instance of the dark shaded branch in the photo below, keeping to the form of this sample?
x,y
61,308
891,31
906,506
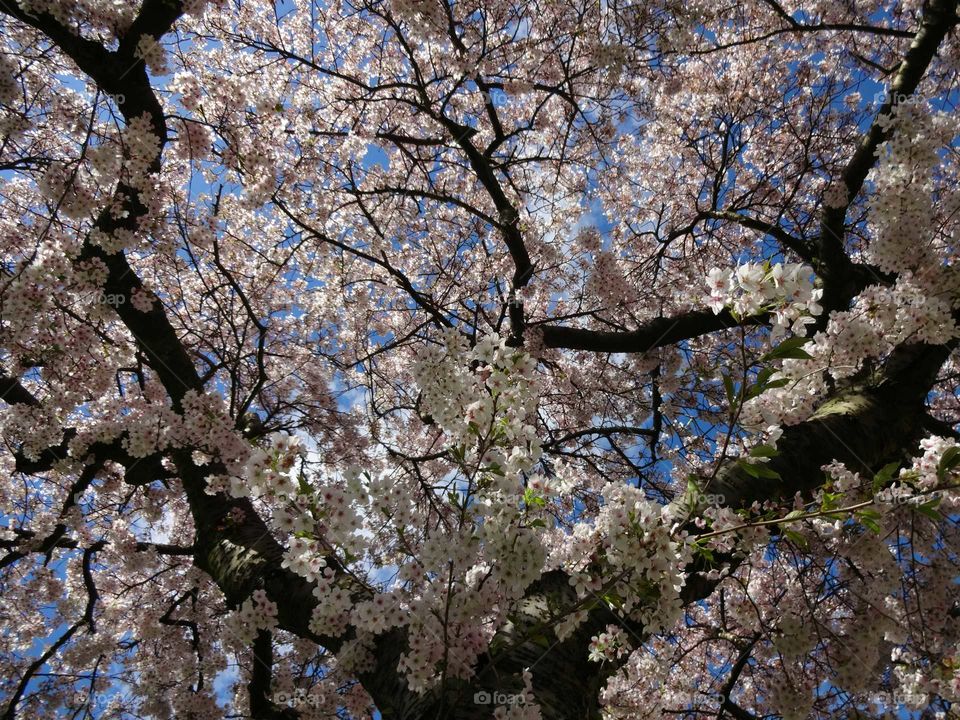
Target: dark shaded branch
x,y
864,426
939,427
72,544
834,265
87,619
653,334
168,619
732,679
509,218
736,711
798,245
796,25
605,430
262,706
12,392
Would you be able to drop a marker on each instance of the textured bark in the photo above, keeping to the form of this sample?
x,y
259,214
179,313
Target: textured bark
x,y
565,683
865,426
658,332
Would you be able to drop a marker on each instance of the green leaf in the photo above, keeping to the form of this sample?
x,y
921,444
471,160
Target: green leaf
x,y
789,348
614,600
795,354
779,382
797,538
764,375
541,640
869,519
532,499
303,485
758,470
756,390
929,508
831,500
728,386
767,451
693,491
948,461
884,476
705,552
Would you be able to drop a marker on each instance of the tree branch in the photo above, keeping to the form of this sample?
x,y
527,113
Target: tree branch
x,y
653,334
834,265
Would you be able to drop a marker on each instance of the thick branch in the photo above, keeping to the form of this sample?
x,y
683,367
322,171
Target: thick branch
x,y
262,706
653,334
834,264
864,426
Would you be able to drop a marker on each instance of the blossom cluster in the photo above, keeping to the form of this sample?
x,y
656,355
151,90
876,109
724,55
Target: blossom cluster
x,y
141,148
482,394
257,612
628,555
481,397
270,471
881,318
524,706
902,220
608,280
784,289
425,16
611,644
609,55
153,54
927,478
9,69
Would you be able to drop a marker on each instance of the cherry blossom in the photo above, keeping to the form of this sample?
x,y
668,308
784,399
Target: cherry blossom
x,y
528,360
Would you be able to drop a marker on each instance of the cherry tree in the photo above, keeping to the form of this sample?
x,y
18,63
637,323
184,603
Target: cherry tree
x,y
427,359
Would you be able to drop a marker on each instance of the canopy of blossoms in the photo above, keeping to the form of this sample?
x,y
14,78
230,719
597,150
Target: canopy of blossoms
x,y
468,359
